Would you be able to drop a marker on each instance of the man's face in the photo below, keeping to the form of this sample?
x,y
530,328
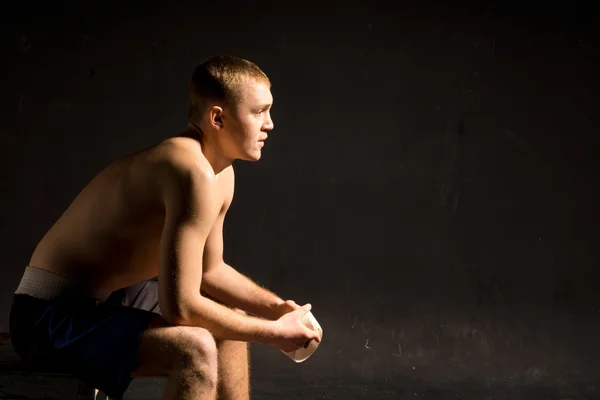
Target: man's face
x,y
248,123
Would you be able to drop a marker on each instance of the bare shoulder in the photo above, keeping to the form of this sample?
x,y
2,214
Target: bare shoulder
x,y
180,153
180,166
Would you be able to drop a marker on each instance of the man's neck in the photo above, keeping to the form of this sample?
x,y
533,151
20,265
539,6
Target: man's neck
x,y
212,153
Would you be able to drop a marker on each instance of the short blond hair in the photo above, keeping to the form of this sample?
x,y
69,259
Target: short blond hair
x,y
218,79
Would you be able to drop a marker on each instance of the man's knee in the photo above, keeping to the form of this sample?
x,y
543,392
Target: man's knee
x,y
196,346
166,349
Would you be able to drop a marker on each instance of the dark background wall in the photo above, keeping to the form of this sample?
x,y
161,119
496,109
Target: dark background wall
x,y
431,185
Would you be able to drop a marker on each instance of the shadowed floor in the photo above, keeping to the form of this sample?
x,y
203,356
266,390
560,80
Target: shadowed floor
x,y
274,376
350,389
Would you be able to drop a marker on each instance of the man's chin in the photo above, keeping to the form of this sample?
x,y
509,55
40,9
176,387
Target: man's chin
x,y
253,157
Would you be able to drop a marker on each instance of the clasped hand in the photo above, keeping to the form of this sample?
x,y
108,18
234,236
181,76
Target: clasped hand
x,y
290,333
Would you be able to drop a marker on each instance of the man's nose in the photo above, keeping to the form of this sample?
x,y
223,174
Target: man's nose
x,y
269,125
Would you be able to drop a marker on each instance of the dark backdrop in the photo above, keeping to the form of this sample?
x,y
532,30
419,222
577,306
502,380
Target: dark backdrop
x,y
430,187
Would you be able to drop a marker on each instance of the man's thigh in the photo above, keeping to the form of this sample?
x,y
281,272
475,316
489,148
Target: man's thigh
x,y
97,341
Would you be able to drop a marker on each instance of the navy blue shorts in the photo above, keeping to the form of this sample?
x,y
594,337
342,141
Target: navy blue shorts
x,y
96,341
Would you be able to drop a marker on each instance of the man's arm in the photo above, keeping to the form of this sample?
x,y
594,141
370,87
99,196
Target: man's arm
x,y
222,282
192,207
231,287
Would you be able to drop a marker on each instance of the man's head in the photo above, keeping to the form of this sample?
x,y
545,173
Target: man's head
x,y
230,102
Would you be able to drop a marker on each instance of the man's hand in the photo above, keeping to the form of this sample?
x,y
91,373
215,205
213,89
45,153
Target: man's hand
x,y
290,333
285,307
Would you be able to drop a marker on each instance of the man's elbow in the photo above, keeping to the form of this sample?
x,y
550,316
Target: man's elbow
x,y
173,318
181,311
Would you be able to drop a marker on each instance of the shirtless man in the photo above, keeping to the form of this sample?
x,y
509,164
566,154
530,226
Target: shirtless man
x,y
159,213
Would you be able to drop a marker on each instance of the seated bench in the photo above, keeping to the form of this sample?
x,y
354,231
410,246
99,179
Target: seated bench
x,y
19,380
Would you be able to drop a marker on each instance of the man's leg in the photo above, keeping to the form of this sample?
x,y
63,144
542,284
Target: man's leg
x,y
186,355
233,357
233,370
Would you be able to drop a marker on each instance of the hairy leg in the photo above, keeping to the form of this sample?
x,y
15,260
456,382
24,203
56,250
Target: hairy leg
x,y
186,355
233,370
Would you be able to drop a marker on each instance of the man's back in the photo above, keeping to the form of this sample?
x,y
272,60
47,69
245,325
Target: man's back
x,y
109,236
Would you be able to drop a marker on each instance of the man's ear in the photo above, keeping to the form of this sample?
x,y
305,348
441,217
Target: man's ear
x,y
216,117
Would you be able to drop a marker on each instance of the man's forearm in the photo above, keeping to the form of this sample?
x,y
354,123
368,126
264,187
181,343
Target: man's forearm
x,y
229,286
223,322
